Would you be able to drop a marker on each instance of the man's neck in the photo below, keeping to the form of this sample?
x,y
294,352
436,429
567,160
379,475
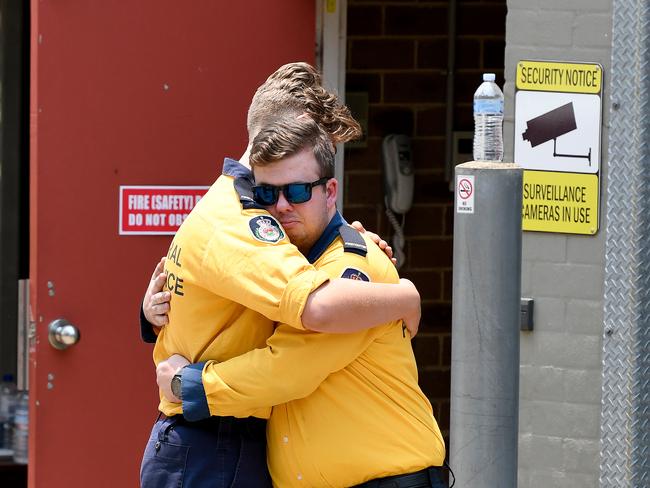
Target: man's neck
x,y
243,160
330,214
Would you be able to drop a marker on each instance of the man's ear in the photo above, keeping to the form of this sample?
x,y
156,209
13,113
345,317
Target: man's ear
x,y
332,190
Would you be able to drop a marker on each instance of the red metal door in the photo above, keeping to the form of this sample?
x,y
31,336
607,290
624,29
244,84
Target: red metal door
x,y
124,93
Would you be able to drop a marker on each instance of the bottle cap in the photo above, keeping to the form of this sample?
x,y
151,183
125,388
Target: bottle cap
x,y
489,77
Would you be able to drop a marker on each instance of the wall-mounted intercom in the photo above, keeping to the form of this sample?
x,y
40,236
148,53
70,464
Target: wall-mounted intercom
x,y
398,186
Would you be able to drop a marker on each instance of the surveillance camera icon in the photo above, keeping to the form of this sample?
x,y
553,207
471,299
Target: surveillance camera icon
x,y
552,125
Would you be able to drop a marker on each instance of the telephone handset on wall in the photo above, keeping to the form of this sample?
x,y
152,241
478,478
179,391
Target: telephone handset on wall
x,y
398,185
398,172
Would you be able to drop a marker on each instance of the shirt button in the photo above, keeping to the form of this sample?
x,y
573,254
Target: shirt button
x,y
285,439
299,476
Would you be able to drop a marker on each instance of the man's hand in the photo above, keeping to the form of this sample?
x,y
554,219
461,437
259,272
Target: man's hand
x,y
412,319
156,302
165,371
383,245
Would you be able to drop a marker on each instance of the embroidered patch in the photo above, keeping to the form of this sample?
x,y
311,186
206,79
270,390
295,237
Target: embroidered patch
x,y
266,229
355,274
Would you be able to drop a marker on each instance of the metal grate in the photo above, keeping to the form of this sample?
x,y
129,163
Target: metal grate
x,y
625,422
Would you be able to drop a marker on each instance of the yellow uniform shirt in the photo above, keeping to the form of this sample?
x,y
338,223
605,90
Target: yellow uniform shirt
x,y
347,407
231,272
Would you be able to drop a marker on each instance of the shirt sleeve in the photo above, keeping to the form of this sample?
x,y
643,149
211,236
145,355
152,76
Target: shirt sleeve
x,y
272,278
147,331
195,406
292,366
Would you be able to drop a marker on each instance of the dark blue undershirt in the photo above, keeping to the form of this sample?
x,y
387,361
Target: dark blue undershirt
x,y
328,236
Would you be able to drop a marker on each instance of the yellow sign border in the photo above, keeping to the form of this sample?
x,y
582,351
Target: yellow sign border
x,y
558,197
554,76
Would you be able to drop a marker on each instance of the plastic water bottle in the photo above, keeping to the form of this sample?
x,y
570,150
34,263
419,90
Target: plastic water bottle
x,y
21,429
488,121
8,398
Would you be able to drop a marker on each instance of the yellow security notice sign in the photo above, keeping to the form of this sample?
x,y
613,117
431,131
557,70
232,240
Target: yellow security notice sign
x,y
559,77
560,202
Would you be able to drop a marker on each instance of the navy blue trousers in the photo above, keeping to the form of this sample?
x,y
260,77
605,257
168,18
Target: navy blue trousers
x,y
219,452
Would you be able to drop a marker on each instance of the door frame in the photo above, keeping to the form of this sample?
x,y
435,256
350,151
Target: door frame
x,y
331,49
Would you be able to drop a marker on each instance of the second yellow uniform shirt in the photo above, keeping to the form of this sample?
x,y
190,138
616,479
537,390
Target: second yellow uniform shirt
x,y
346,407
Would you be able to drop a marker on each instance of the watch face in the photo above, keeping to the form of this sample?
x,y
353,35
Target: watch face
x,y
176,386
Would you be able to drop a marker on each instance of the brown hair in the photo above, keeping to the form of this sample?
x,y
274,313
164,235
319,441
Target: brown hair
x,y
294,89
289,136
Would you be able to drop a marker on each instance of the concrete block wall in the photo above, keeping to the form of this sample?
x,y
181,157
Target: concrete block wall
x,y
397,53
561,360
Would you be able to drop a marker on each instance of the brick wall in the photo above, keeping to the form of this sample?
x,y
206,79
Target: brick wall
x,y
397,53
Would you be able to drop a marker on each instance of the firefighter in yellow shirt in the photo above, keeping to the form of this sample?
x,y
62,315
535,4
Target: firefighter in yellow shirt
x,y
347,409
231,272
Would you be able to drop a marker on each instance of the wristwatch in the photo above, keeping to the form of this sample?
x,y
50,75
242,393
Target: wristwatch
x,y
177,389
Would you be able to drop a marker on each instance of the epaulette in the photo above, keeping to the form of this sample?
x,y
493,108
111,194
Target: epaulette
x,y
244,188
352,240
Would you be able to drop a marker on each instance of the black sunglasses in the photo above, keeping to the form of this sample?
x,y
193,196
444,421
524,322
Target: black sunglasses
x,y
267,195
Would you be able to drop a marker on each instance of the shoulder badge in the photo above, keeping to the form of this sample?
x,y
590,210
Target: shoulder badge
x,y
266,229
355,274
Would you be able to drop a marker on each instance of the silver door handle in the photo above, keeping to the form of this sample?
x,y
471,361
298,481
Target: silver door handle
x,y
62,334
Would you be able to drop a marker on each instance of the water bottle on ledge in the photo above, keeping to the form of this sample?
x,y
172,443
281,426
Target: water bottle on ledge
x,y
8,398
21,429
488,121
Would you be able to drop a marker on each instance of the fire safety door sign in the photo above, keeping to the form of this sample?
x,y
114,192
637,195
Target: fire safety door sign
x,y
558,120
156,210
